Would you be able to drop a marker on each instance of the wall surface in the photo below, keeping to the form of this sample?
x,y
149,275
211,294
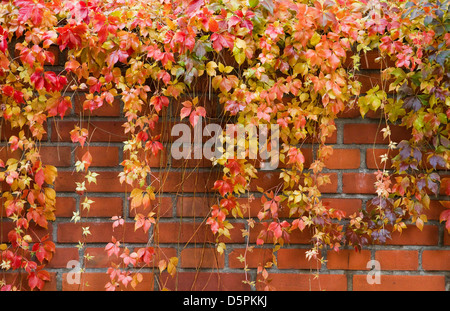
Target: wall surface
x,y
413,260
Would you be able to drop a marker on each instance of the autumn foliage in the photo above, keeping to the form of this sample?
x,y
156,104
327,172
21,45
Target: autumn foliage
x,y
285,62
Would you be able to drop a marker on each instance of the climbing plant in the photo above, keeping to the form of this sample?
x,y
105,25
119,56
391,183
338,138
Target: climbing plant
x,y
284,62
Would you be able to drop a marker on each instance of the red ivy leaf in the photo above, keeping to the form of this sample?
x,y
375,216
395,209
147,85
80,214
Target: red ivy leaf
x,y
39,177
159,102
87,159
220,41
79,135
30,10
71,35
193,6
154,146
60,107
445,215
223,186
37,78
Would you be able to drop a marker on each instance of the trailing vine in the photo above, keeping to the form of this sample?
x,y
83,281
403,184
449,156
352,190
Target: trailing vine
x,y
269,62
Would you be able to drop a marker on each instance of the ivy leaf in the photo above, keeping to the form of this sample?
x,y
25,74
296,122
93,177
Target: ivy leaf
x,y
193,6
412,102
436,160
159,102
210,68
39,177
87,159
268,5
186,110
50,173
442,57
222,40
417,154
405,149
213,25
60,107
253,3
445,215
37,78
30,10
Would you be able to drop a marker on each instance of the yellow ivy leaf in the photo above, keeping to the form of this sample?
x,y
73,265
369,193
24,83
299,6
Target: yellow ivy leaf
x,y
50,174
172,266
210,68
240,43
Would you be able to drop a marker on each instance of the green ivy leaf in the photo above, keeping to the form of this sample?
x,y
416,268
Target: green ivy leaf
x,y
253,3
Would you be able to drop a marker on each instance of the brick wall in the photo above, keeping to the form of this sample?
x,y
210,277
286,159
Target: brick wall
x,y
412,260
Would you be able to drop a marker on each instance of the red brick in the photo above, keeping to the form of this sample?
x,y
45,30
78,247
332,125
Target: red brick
x,y
103,207
56,156
305,282
187,181
183,233
100,258
344,159
190,232
268,180
6,153
161,206
194,206
445,185
295,259
101,156
349,113
348,259
435,210
191,163
201,257
370,133
100,233
358,183
97,280
106,182
373,158
348,206
253,258
413,236
369,80
62,256
446,238
204,281
65,206
54,49
158,161
99,131
354,112
436,260
397,259
400,283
